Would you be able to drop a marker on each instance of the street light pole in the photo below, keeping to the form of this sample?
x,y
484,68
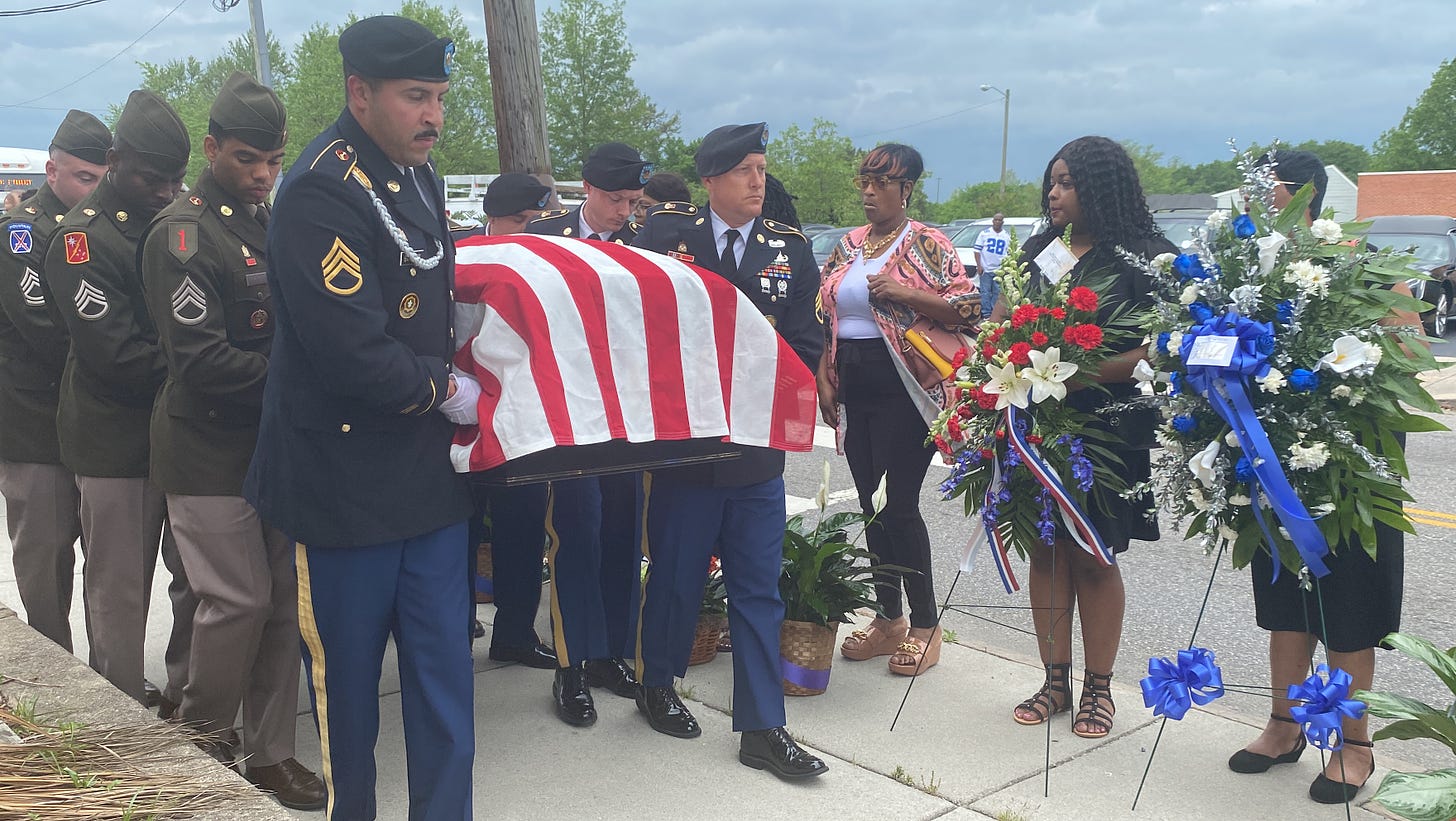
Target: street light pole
x,y
260,43
1005,127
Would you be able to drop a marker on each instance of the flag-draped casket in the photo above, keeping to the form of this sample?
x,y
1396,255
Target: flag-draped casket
x,y
587,351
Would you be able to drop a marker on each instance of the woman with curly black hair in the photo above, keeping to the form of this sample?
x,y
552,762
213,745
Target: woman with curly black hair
x,y
1091,187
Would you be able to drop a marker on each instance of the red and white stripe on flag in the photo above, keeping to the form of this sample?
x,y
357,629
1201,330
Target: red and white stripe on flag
x,y
576,342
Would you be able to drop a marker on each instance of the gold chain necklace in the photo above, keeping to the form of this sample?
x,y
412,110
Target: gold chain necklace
x,y
873,248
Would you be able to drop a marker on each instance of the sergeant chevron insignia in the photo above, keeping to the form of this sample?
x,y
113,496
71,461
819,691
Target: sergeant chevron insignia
x,y
189,303
90,301
342,274
30,289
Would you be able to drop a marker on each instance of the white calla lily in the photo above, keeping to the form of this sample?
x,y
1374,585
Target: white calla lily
x,y
1008,387
1203,464
1350,352
1269,251
821,499
1145,375
881,495
1047,373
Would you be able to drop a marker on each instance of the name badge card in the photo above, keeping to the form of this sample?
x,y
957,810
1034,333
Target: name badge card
x,y
1056,261
1213,351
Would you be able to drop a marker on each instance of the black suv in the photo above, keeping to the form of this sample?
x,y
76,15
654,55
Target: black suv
x,y
1432,240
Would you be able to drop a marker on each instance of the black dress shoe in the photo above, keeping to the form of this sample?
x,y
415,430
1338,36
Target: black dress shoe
x,y
294,785
477,629
613,674
166,708
666,713
573,698
538,655
775,751
153,695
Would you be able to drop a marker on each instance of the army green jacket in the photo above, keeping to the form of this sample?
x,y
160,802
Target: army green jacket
x,y
206,282
33,340
114,366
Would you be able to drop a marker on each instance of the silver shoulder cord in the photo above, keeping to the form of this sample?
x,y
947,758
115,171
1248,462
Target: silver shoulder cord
x,y
401,240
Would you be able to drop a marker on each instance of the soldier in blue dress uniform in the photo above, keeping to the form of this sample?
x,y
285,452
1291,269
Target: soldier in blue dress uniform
x,y
353,455
592,523
737,505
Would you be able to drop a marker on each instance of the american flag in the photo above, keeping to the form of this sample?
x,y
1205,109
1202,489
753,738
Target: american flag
x,y
576,342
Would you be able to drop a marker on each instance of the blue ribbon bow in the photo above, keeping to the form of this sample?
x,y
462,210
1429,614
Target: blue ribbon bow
x,y
1171,689
1324,705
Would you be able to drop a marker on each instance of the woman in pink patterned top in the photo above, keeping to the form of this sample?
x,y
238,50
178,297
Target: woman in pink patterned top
x,y
883,278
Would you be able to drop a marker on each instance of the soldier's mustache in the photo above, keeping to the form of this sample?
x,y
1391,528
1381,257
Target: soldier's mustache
x,y
427,134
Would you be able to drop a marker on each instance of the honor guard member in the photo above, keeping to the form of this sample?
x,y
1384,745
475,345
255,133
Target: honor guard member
x,y
353,456
113,371
207,288
738,504
592,522
42,504
518,513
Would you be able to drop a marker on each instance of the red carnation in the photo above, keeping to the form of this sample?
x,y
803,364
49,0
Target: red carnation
x,y
998,333
1086,337
1082,298
1024,314
987,401
959,359
1021,353
987,453
965,411
1000,433
1034,439
1059,313
953,427
941,444
988,351
1038,339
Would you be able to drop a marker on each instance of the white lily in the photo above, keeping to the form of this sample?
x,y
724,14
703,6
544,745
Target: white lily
x,y
1009,388
1202,464
1047,373
881,495
1350,352
1269,251
1146,376
821,499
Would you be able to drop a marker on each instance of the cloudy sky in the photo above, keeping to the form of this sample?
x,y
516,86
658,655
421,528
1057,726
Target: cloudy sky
x,y
1180,75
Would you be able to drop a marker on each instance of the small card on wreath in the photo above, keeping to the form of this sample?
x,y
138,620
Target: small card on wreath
x,y
1213,351
1055,261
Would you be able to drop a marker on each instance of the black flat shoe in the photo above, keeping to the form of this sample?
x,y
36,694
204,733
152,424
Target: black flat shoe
x,y
1329,791
477,630
774,750
573,699
666,713
1249,763
538,656
612,674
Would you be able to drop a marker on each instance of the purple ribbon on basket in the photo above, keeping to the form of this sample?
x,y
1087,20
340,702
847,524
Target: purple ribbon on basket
x,y
1325,703
804,677
1171,688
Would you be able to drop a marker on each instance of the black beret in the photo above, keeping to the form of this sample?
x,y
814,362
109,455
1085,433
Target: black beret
x,y
616,167
396,48
83,136
250,111
151,128
513,193
726,146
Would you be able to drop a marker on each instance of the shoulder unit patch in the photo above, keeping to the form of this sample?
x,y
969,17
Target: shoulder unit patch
x,y
77,251
21,240
182,239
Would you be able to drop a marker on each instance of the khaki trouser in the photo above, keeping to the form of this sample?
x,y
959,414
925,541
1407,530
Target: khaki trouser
x,y
122,522
43,515
245,634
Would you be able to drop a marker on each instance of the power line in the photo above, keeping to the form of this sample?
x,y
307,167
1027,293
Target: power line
x,y
923,122
104,63
47,9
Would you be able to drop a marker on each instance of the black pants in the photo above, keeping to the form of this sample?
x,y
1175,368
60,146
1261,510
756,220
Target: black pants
x,y
885,436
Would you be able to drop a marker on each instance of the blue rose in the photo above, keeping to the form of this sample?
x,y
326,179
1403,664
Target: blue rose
x,y
1214,271
1175,383
1189,266
1200,311
1244,227
1285,310
1244,470
1184,424
1264,344
1163,342
1303,380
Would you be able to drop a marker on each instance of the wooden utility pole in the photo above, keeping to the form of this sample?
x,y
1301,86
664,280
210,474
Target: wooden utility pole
x,y
519,99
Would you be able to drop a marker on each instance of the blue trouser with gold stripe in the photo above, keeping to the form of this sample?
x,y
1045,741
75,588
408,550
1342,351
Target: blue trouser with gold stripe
x,y
573,549
684,522
350,601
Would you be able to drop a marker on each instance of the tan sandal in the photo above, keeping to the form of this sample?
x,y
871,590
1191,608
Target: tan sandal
x,y
916,655
879,638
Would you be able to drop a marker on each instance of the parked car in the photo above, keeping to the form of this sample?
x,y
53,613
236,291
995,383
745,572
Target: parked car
x,y
1022,228
823,244
1432,240
1179,224
810,229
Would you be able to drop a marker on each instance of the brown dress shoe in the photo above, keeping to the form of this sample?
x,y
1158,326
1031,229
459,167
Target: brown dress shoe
x,y
293,784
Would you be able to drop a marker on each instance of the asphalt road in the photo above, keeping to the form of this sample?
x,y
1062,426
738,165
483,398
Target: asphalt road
x,y
1165,585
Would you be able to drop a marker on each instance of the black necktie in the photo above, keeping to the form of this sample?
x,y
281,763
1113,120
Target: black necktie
x,y
424,195
261,215
727,263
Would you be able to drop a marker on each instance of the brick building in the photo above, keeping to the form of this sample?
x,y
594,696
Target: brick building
x,y
1386,193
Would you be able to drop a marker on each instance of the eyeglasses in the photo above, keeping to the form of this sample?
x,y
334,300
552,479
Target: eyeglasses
x,y
862,181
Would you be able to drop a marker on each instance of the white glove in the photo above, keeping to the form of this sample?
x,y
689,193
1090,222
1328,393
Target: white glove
x,y
460,407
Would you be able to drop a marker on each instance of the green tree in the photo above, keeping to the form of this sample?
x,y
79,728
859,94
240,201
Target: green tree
x,y
817,166
590,99
984,199
1425,139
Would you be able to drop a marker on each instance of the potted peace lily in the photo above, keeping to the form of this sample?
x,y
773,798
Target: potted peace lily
x,y
826,577
1431,795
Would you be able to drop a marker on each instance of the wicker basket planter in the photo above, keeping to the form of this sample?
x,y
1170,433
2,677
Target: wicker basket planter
x,y
806,651
705,640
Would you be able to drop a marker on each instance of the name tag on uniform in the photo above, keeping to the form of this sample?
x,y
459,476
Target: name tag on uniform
x,y
1056,261
255,278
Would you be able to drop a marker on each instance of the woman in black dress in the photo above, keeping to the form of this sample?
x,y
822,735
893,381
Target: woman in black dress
x,y
1092,186
1357,605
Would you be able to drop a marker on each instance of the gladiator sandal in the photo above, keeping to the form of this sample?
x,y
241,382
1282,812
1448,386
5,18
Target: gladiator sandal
x,y
1095,708
1055,696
